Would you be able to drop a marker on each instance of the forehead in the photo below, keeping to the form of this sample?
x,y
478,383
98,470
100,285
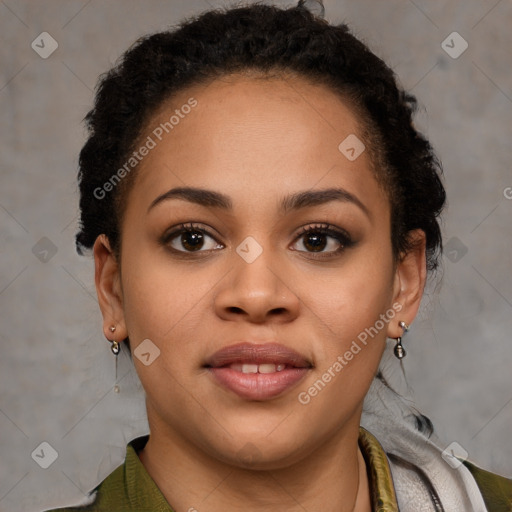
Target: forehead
x,y
256,136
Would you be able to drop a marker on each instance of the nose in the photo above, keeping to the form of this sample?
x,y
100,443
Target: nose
x,y
257,292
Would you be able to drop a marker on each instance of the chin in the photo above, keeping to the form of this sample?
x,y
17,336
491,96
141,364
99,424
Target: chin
x,y
260,453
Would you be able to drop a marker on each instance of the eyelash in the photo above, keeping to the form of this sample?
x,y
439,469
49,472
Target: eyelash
x,y
341,236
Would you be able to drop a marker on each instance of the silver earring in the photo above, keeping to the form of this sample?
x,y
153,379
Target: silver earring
x,y
115,345
399,350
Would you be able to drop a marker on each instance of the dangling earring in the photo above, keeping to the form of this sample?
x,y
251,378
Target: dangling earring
x,y
399,350
115,347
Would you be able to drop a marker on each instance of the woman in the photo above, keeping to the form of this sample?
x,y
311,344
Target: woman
x,y
263,215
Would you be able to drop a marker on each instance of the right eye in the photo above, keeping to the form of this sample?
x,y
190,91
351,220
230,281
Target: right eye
x,y
191,238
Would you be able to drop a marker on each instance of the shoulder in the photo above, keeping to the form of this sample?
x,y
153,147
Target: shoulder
x,y
496,489
107,494
129,488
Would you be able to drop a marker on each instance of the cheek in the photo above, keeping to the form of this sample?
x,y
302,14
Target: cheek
x,y
352,310
351,299
351,330
165,302
160,298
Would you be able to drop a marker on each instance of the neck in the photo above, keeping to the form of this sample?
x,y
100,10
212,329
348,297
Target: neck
x,y
331,478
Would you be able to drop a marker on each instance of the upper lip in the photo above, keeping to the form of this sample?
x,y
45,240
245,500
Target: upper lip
x,y
246,352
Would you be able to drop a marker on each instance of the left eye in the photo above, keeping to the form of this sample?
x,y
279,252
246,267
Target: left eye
x,y
192,238
315,239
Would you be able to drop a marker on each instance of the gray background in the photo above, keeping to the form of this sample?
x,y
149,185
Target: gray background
x,y
56,370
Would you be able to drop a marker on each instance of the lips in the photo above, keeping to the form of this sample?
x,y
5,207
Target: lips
x,y
257,372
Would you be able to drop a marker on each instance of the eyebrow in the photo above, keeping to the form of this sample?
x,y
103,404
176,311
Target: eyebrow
x,y
293,202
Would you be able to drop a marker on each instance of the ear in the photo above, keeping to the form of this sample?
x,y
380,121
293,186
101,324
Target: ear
x,y
108,287
409,283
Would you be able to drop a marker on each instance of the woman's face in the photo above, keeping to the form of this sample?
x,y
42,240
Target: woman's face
x,y
264,150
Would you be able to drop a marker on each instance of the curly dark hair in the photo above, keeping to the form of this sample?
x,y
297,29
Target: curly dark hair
x,y
271,41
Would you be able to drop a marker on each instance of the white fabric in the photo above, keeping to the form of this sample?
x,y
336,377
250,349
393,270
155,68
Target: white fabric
x,y
392,422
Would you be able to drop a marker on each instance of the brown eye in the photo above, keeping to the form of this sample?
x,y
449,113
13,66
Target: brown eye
x,y
316,239
190,238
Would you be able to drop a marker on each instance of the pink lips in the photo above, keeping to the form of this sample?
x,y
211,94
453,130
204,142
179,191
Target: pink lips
x,y
257,372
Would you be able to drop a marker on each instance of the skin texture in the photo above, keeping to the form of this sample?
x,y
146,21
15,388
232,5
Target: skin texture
x,y
256,140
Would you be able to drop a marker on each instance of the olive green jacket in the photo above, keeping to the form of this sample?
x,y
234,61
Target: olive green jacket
x,y
129,488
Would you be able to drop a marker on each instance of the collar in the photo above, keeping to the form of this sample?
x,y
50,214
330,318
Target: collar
x,y
382,491
131,484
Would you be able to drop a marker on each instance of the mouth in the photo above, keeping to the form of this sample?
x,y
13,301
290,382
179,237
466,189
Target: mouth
x,y
257,372
258,368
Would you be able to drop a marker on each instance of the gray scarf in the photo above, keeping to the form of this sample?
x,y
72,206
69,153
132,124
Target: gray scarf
x,y
424,481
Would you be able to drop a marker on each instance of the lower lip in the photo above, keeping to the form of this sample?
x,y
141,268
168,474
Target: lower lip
x,y
258,386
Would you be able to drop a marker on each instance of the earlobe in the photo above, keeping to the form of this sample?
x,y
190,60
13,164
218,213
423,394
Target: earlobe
x,y
108,288
410,278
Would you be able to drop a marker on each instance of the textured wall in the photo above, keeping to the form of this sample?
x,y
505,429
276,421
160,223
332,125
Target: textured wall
x,y
56,370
